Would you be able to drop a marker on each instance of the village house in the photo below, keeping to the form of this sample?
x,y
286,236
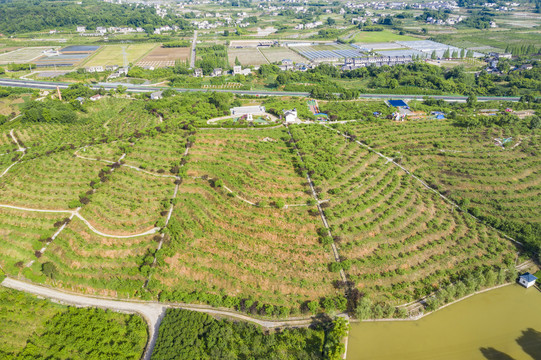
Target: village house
x,y
248,111
96,97
290,116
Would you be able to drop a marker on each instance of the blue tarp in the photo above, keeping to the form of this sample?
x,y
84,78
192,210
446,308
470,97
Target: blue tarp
x,y
440,117
397,103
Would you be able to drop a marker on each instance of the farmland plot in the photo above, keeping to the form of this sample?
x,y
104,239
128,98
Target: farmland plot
x,y
129,202
258,166
20,235
48,182
396,238
277,54
163,57
224,246
246,56
120,55
95,264
468,167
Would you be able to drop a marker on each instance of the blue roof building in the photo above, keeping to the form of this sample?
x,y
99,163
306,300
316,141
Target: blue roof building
x,y
527,280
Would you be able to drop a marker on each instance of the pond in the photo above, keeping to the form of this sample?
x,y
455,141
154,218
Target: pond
x,y
502,324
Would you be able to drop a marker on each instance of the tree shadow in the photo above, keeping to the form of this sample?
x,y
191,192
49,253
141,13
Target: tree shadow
x,y
530,342
493,354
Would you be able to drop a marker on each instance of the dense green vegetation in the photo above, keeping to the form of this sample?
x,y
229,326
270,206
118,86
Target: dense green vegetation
x,y
23,16
192,335
38,329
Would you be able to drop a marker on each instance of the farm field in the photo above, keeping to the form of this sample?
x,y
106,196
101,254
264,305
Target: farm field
x,y
21,234
380,37
99,265
22,55
221,245
50,182
120,55
106,119
247,56
259,166
116,207
467,166
163,57
34,328
396,238
9,106
277,54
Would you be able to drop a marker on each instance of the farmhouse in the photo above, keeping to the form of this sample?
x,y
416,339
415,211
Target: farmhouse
x,y
237,69
217,72
290,116
198,73
527,280
96,97
156,95
249,111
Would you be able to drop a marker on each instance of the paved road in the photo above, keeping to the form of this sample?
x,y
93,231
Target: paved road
x,y
152,312
32,84
194,44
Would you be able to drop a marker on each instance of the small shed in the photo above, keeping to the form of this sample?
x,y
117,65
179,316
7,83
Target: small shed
x,y
95,97
156,95
527,280
80,100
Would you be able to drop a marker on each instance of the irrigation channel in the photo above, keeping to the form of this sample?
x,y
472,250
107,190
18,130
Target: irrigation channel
x,y
504,324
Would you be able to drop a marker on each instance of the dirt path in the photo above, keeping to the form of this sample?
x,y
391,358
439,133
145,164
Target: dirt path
x,y
19,148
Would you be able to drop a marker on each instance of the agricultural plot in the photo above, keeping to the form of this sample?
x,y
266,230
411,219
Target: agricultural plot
x,y
22,55
247,56
159,154
106,119
117,206
277,54
98,265
21,316
221,245
21,234
163,57
380,37
50,182
257,166
467,166
397,239
120,55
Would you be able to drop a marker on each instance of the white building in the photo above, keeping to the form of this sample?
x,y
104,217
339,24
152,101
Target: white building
x,y
81,29
237,69
527,280
290,116
248,111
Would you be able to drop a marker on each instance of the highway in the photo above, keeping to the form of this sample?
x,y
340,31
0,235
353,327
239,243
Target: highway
x,y
34,84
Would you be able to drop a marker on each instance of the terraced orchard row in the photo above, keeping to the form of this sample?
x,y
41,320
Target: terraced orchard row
x,y
157,210
397,239
502,185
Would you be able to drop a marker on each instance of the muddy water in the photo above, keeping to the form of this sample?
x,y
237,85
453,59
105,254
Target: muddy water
x,y
501,324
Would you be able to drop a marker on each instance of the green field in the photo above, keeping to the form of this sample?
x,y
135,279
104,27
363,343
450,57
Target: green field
x,y
120,55
35,328
380,36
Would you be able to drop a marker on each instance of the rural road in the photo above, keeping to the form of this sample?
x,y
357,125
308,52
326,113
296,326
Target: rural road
x,y
152,312
194,44
32,84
